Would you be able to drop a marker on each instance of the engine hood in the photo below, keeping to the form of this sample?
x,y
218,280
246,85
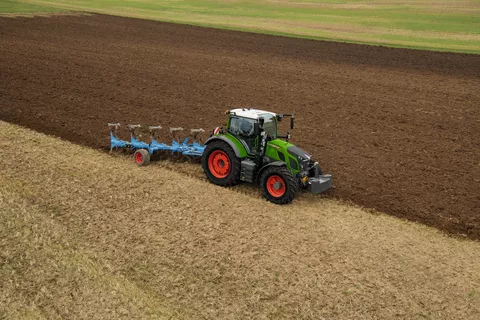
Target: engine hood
x,y
298,153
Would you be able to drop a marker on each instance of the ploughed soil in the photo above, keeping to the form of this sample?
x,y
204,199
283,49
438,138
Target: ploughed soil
x,y
398,129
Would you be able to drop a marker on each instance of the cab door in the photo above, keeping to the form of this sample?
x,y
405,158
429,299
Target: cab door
x,y
243,130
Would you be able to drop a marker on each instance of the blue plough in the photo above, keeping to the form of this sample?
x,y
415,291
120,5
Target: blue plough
x,y
144,150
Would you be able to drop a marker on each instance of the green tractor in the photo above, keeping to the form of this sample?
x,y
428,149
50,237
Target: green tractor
x,y
250,149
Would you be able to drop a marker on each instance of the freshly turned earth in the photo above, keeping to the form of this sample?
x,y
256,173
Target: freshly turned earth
x,y
398,129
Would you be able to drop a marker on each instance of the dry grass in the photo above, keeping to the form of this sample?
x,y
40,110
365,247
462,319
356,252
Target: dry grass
x,y
88,235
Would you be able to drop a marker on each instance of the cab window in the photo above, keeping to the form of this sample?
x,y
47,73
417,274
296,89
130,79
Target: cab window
x,y
269,125
241,126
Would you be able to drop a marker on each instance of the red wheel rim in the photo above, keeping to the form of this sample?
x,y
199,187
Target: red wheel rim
x,y
276,186
138,157
219,164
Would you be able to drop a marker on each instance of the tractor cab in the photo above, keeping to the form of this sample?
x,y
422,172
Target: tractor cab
x,y
254,128
251,127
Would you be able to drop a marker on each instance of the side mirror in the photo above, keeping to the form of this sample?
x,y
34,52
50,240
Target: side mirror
x,y
256,129
291,123
261,121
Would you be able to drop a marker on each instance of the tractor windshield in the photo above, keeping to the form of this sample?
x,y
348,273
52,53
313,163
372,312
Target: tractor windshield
x,y
270,125
241,126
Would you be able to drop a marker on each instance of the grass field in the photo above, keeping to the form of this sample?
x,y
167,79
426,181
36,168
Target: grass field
x,y
449,25
18,7
86,235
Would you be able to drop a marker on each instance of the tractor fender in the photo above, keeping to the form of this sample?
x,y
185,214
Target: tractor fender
x,y
268,165
228,141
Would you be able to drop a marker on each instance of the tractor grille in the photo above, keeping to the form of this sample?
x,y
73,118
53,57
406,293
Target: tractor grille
x,y
304,159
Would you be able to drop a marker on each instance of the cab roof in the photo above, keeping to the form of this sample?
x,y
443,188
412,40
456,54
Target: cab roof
x,y
249,113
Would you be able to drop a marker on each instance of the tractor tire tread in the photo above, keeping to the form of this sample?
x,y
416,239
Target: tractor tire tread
x,y
290,181
234,176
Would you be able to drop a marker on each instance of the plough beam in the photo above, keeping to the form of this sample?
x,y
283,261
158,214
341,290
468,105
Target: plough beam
x,y
194,149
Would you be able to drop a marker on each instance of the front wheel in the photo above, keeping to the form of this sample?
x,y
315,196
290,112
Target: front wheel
x,y
278,185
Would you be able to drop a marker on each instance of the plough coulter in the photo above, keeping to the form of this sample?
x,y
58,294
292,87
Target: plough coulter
x,y
248,149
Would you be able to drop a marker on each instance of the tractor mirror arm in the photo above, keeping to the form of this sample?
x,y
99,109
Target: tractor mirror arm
x,y
292,117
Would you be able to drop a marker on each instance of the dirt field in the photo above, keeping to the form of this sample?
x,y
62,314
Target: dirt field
x,y
398,129
93,239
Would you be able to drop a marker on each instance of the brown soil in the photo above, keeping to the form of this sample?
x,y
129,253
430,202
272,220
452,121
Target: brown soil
x,y
398,129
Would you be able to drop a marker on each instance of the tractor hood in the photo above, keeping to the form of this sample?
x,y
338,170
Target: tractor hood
x,y
298,153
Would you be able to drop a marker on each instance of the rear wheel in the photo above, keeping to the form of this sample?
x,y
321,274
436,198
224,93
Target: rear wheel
x,y
141,157
220,164
278,185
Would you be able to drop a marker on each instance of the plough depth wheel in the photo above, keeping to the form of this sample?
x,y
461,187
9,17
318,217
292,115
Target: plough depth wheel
x,y
141,157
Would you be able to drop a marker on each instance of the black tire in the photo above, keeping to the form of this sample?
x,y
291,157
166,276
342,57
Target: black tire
x,y
289,181
141,157
233,176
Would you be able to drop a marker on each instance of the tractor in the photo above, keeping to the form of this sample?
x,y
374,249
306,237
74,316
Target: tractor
x,y
250,149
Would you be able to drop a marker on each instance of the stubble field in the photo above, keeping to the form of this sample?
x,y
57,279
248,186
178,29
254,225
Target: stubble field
x,y
86,235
